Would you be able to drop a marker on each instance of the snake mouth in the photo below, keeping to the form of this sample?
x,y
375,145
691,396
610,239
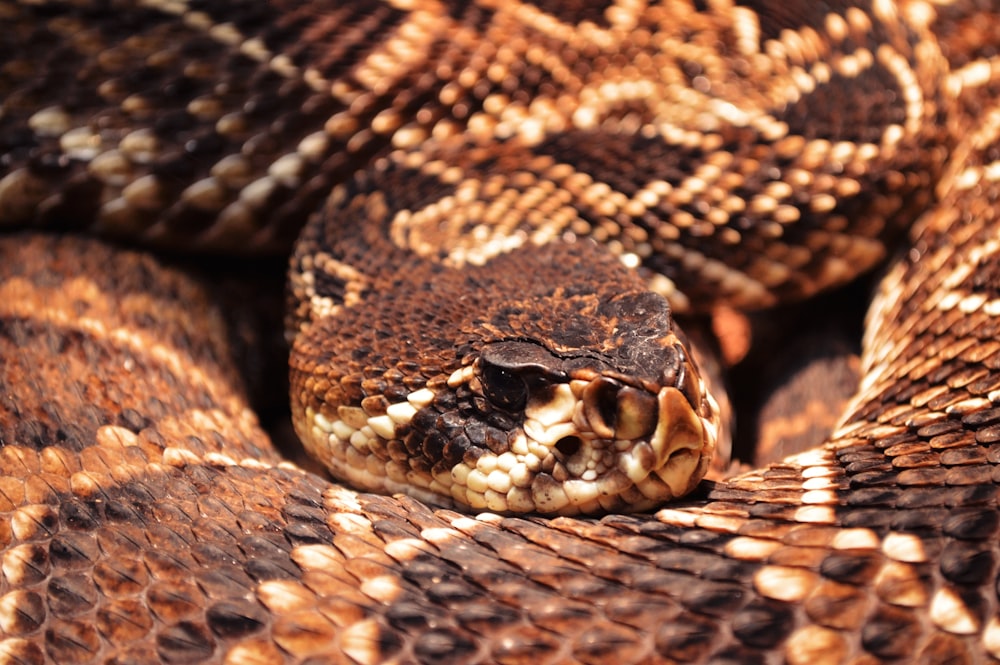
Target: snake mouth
x,y
603,445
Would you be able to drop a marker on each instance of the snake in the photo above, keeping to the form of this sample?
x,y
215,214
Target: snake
x,y
495,213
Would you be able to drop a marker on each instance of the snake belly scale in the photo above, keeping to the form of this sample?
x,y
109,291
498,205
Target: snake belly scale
x,y
503,199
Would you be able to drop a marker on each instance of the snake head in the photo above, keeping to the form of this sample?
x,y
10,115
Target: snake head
x,y
575,395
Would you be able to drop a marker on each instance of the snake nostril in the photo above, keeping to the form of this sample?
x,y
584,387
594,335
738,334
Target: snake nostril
x,y
568,446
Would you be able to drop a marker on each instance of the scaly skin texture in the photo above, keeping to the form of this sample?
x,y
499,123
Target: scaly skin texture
x,y
735,170
146,518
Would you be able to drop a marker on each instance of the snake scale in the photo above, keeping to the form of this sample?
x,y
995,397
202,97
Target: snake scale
x,y
447,301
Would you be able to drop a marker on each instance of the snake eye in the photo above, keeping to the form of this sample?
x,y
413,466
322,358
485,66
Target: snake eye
x,y
502,387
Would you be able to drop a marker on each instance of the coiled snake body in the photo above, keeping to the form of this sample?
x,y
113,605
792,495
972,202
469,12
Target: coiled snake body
x,y
458,335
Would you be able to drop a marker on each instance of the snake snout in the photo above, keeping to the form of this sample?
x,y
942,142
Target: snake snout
x,y
683,444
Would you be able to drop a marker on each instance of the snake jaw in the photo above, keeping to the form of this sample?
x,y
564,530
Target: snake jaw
x,y
591,445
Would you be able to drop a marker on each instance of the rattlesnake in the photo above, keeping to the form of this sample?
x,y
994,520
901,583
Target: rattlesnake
x,y
718,152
